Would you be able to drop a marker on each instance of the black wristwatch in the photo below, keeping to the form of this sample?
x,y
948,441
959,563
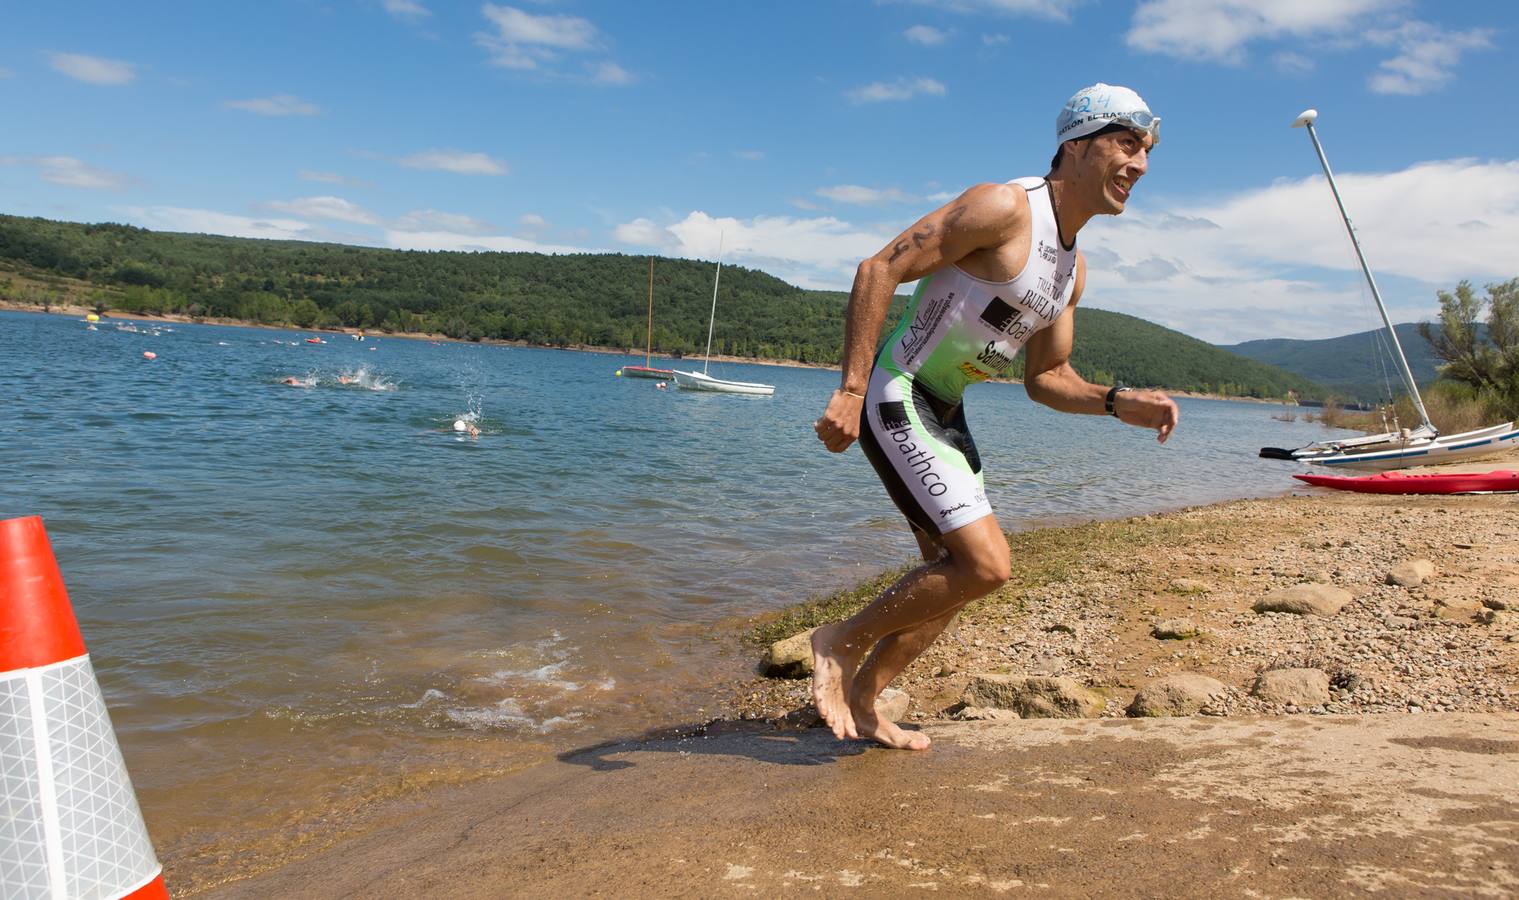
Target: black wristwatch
x,y
1113,392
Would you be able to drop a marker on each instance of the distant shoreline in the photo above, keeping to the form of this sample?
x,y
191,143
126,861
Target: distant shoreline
x,y
74,309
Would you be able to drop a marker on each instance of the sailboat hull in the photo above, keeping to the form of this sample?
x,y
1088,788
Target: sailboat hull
x,y
1394,455
697,381
646,372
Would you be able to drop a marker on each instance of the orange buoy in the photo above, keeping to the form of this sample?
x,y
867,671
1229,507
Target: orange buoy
x,y
149,354
73,823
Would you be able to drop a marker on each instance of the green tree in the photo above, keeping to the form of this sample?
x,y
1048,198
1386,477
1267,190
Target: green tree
x,y
1489,362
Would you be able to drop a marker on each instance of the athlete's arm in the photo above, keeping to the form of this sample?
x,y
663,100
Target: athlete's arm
x,y
1049,378
984,216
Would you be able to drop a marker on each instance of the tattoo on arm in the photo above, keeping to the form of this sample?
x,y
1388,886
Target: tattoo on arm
x,y
954,216
918,238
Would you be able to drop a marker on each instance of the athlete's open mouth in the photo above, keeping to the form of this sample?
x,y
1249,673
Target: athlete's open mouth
x,y
1122,185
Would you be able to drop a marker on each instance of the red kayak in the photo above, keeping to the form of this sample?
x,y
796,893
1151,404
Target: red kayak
x,y
1399,483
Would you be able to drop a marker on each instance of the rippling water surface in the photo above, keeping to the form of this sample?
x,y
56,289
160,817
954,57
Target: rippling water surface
x,y
294,593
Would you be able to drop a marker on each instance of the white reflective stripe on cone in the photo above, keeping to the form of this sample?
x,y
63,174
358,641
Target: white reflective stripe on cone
x,y
72,826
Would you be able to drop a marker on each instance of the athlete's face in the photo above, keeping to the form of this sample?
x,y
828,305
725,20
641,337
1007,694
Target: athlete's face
x,y
1111,165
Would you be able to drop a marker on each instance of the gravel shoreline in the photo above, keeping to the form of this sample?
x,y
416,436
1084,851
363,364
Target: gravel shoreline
x,y
1448,644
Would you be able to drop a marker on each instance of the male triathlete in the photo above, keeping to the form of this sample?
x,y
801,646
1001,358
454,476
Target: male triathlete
x,y
999,271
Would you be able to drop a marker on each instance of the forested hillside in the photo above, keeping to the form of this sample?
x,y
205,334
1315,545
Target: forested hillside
x,y
1354,365
577,299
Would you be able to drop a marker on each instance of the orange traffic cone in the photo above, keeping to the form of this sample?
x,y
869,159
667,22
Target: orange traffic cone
x,y
71,826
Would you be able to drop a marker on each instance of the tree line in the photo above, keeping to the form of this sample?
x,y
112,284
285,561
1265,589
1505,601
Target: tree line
x,y
596,299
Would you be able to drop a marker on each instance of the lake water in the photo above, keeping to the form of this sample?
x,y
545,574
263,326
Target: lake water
x,y
300,599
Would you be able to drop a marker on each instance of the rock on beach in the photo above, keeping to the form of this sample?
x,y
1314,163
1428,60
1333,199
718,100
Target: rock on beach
x,y
1411,573
1182,694
1305,599
1034,696
790,657
1303,688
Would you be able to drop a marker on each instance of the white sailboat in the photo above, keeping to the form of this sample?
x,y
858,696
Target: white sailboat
x,y
1420,446
701,381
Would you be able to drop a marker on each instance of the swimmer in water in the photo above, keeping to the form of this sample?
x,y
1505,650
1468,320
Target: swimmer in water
x,y
293,381
469,428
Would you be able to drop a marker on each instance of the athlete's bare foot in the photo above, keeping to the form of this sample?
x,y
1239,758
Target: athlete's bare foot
x,y
870,724
832,673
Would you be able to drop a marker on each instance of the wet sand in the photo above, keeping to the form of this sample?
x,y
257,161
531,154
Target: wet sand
x,y
1403,783
1176,808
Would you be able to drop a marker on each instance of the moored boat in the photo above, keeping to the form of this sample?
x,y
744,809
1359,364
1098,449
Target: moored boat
x,y
1435,483
646,372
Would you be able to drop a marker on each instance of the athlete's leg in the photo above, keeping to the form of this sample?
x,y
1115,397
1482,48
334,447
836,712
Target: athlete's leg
x,y
974,563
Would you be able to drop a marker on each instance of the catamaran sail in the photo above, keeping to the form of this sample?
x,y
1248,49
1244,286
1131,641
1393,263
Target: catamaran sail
x,y
701,381
1419,446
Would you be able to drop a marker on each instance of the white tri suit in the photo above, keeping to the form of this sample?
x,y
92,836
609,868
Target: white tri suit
x,y
956,331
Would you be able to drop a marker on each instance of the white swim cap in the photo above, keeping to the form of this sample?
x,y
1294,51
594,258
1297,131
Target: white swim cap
x,y
1094,108
459,425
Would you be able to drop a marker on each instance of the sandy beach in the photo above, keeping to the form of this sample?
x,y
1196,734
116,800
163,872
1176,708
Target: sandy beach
x,y
1398,776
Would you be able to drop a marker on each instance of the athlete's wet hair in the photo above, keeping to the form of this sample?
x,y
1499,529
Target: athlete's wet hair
x,y
1060,152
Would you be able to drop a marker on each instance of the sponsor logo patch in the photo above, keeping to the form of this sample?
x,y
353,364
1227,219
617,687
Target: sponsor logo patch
x,y
893,415
1000,314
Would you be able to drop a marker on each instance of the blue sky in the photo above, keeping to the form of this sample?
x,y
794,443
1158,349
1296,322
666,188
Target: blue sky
x,y
807,133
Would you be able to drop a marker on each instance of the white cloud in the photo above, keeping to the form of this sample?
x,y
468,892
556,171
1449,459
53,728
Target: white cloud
x,y
643,232
533,221
1054,10
70,172
434,220
93,69
277,105
6,73
1219,30
1426,55
993,40
749,155
447,240
926,35
334,208
901,89
815,253
862,196
1290,63
611,73
1275,262
525,41
332,178
206,221
458,162
406,10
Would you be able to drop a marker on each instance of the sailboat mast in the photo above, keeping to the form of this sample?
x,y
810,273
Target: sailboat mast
x,y
648,352
1307,119
713,321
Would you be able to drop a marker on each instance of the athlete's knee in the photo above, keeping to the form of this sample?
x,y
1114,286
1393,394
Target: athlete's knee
x,y
983,571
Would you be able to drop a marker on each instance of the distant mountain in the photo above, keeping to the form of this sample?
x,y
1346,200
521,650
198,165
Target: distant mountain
x,y
1351,365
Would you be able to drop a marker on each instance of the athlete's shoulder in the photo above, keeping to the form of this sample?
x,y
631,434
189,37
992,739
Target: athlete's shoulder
x,y
993,204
